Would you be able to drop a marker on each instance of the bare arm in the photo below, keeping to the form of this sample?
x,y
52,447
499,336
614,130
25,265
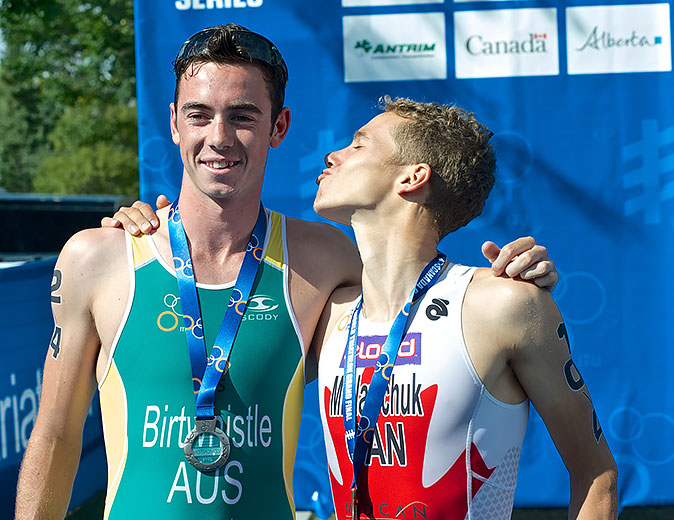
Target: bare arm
x,y
321,259
541,361
53,452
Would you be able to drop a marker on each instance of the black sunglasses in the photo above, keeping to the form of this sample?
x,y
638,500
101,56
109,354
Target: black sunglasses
x,y
256,46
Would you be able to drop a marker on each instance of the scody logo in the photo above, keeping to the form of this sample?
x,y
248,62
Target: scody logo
x,y
478,45
396,50
259,309
605,40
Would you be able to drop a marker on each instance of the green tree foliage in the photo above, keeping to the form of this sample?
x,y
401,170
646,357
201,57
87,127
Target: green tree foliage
x,y
100,160
67,97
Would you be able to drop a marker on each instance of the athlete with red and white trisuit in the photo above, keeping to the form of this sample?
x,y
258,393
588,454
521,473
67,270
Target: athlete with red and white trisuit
x,y
474,351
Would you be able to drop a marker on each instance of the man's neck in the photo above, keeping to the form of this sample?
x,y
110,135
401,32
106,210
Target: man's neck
x,y
394,252
217,232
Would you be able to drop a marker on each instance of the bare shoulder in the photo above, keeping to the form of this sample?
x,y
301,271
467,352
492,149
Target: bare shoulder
x,y
91,261
87,248
505,295
322,245
512,309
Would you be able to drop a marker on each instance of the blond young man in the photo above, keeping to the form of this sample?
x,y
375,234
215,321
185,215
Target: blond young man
x,y
427,393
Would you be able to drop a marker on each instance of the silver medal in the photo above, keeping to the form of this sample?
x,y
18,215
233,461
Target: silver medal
x,y
206,446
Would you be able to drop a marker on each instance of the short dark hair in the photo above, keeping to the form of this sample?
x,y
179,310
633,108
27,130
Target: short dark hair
x,y
457,149
234,44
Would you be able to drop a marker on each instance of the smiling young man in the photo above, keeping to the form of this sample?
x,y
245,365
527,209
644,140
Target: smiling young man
x,y
425,377
196,423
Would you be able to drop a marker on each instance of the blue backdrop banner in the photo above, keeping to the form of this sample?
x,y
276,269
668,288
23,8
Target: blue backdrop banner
x,y
24,341
579,98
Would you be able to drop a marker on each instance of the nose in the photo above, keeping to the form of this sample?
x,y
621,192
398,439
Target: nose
x,y
330,160
220,135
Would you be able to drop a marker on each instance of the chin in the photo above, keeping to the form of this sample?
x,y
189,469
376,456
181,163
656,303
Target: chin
x,y
331,214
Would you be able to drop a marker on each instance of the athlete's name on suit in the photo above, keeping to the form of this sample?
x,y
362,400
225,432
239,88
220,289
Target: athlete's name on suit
x,y
163,429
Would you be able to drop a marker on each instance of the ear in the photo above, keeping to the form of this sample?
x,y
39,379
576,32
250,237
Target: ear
x,y
416,177
174,125
280,128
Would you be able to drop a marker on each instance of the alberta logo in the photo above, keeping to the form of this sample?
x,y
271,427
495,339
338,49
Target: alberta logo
x,y
618,39
600,40
392,50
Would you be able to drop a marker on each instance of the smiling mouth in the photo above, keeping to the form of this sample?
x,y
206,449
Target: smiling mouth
x,y
220,165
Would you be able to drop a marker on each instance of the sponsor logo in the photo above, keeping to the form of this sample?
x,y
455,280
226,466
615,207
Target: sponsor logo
x,y
416,509
437,309
262,303
260,308
478,44
509,42
386,50
198,5
369,349
623,38
599,40
379,47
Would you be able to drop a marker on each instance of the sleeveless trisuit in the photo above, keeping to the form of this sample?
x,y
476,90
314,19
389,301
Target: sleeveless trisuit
x,y
444,447
147,397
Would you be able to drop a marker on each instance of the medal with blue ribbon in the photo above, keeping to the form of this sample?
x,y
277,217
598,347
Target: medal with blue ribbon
x,y
359,439
207,447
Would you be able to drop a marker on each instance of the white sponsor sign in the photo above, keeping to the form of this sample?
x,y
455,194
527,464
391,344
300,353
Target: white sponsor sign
x,y
370,3
621,38
508,42
394,47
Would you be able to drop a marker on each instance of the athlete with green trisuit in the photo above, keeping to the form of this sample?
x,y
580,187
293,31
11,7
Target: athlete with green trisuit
x,y
195,422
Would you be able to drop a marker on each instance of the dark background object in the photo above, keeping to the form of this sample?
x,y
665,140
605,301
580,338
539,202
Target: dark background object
x,y
38,225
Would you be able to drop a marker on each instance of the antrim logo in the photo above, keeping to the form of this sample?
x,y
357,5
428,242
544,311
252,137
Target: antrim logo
x,y
391,50
605,40
478,45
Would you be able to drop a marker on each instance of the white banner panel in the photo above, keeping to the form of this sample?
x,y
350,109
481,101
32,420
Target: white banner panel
x,y
508,42
394,47
619,38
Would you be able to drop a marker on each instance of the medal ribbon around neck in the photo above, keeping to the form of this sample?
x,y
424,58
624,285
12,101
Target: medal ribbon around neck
x,y
206,372
360,439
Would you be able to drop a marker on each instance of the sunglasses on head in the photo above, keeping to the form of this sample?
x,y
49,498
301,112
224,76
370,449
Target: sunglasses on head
x,y
256,46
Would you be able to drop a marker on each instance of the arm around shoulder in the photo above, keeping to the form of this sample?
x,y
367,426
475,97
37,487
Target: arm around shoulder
x,y
325,251
69,380
321,258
